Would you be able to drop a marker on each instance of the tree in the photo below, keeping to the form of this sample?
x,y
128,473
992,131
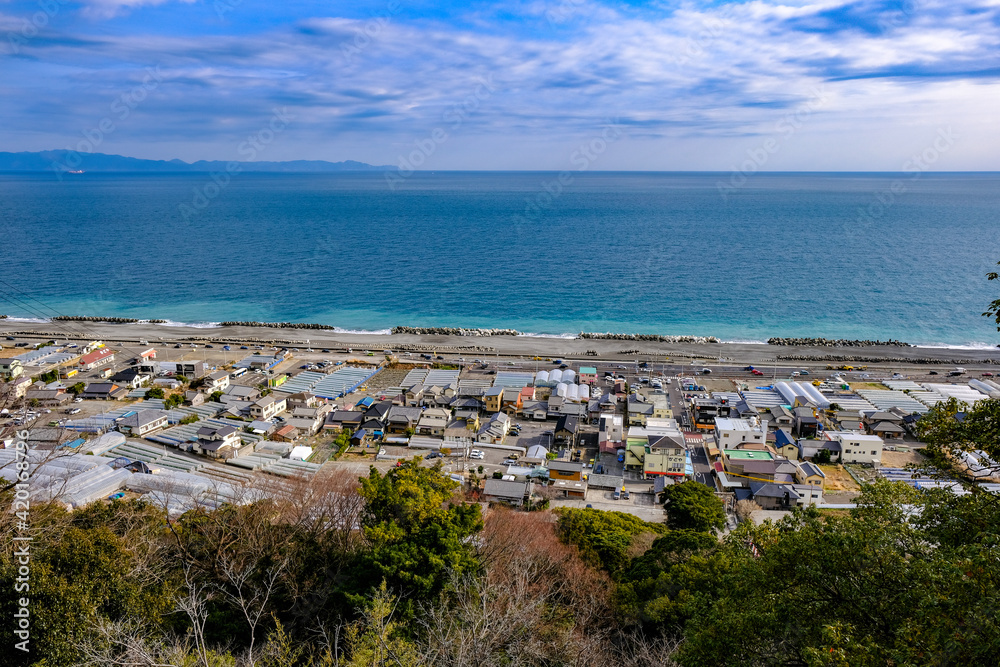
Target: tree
x,y
172,401
822,457
993,310
216,396
604,539
693,506
77,388
881,585
952,428
155,392
416,530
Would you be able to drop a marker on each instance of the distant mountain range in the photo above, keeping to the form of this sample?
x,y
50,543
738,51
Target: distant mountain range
x,y
63,160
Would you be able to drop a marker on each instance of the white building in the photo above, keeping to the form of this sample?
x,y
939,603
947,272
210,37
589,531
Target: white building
x,y
857,447
732,432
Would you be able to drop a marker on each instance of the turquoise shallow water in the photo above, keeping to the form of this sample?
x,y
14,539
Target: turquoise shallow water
x,y
660,253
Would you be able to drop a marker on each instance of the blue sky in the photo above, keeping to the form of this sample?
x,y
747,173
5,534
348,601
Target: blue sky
x,y
821,85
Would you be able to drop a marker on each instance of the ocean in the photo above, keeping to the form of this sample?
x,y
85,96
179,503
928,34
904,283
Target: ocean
x,y
859,256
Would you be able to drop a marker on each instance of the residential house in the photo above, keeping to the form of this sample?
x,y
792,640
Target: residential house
x,y
141,422
19,387
506,491
286,433
567,476
885,424
194,397
611,433
857,447
433,422
105,391
461,430
48,398
192,370
302,399
704,411
806,423
785,444
587,375
130,377
493,398
240,392
661,406
567,431
11,368
782,417
535,410
664,455
339,419
510,400
218,442
638,412
731,432
267,407
401,419
494,430
217,381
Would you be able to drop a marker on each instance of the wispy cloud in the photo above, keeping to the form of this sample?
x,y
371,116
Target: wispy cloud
x,y
695,83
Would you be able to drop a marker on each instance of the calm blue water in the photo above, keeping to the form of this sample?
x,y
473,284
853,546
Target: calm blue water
x,y
662,253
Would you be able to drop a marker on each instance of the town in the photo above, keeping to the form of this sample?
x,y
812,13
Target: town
x,y
194,424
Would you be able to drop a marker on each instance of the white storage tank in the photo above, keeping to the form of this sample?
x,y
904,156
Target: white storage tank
x,y
572,393
584,392
541,377
556,376
561,389
569,375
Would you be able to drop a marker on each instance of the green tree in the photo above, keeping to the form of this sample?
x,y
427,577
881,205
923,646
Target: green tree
x,y
693,506
216,396
993,310
604,539
882,585
155,392
952,427
416,531
77,388
190,419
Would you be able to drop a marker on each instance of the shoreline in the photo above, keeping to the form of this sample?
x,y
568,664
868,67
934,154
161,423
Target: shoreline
x,y
501,345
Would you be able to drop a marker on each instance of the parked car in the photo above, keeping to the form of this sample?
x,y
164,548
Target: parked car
x,y
433,455
987,375
624,494
617,495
